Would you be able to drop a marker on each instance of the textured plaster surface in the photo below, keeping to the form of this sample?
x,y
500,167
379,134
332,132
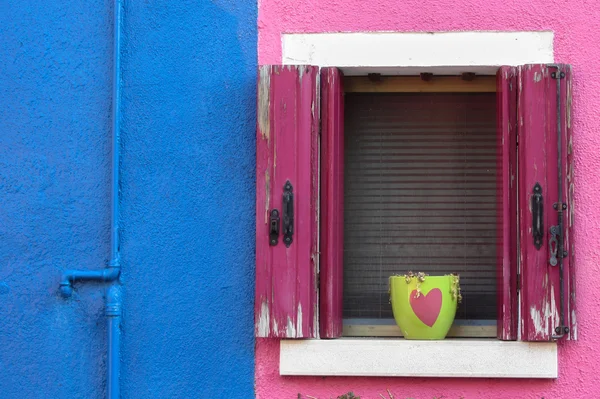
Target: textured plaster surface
x,y
187,193
576,34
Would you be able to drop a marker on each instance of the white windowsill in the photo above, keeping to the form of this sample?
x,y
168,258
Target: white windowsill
x,y
389,357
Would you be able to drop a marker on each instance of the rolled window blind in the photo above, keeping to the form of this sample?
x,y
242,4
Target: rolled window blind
x,y
420,195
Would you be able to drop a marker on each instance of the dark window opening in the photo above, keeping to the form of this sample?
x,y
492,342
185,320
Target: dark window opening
x,y
420,195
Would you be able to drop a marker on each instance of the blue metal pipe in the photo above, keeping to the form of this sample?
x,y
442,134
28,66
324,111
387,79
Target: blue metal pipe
x,y
70,276
113,317
115,260
113,293
113,270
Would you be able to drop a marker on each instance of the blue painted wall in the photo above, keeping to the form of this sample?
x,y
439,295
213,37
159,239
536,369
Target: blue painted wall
x,y
187,195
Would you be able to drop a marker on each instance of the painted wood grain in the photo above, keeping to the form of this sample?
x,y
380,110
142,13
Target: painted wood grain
x,y
287,150
332,204
538,163
506,95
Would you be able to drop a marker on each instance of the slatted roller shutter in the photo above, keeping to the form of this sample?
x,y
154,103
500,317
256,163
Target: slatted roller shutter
x,y
421,177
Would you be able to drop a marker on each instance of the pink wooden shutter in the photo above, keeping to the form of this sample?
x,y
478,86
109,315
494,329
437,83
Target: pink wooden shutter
x,y
332,203
506,92
544,115
287,152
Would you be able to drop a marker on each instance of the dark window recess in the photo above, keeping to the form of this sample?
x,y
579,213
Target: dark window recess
x,y
420,194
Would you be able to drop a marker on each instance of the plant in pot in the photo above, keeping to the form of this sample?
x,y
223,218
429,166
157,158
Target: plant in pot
x,y
424,306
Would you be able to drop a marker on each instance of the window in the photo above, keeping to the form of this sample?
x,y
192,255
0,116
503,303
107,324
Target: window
x,y
421,194
302,174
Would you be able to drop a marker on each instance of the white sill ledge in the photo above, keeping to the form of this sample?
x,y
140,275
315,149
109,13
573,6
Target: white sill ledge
x,y
389,357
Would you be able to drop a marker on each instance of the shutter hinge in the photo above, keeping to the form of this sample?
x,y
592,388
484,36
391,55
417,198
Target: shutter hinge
x,y
557,231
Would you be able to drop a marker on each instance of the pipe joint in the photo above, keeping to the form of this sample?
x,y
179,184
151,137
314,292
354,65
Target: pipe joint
x,y
115,262
111,273
113,301
112,310
66,289
70,276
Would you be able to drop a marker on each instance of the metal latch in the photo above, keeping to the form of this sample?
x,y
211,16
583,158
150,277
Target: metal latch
x,y
274,227
537,207
288,213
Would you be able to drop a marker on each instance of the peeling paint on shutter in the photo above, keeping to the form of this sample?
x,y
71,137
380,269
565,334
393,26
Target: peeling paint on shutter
x,y
538,122
506,101
332,204
287,151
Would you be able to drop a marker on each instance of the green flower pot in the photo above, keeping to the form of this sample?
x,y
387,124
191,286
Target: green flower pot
x,y
424,308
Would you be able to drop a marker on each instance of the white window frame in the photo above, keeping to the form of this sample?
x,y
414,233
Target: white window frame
x,y
470,328
395,53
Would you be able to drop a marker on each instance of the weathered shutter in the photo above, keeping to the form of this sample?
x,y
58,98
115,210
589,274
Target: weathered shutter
x,y
506,101
286,303
332,203
547,293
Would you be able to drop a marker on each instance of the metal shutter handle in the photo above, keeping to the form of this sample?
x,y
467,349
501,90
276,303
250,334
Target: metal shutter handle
x,y
537,207
288,214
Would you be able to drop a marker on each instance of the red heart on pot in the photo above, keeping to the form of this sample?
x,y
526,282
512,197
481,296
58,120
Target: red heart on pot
x,y
427,307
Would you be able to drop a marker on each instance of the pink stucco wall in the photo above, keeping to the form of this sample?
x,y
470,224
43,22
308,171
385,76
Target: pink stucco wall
x,y
576,27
